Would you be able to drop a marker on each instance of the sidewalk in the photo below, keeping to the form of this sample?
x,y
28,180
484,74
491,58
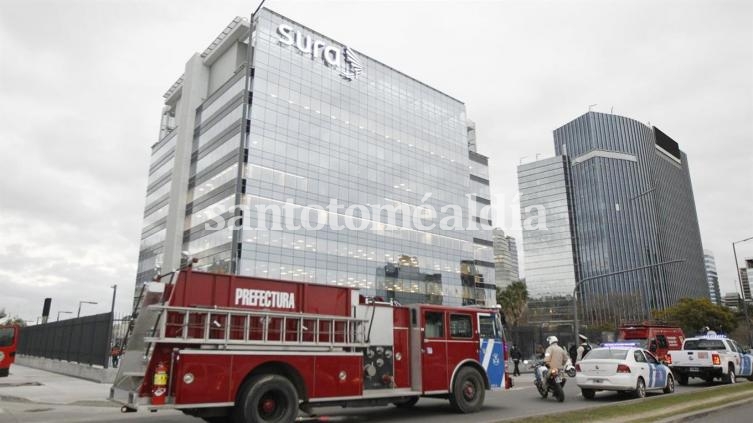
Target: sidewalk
x,y
26,384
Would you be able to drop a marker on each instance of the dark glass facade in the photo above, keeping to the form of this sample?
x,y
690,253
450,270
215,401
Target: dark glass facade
x,y
633,205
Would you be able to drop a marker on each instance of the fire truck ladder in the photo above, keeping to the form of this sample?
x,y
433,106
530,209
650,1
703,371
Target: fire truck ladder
x,y
243,329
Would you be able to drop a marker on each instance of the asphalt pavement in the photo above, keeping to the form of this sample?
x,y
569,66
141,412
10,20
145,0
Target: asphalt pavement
x,y
35,396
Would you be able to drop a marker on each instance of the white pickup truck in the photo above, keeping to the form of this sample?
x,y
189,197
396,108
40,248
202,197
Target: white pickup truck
x,y
709,357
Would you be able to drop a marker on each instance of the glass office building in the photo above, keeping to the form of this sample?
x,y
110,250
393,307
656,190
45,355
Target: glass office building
x,y
712,278
636,238
275,116
548,238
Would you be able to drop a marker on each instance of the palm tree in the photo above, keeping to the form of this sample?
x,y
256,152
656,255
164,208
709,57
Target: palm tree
x,y
514,301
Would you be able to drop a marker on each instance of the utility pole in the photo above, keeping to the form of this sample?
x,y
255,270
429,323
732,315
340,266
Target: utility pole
x,y
742,290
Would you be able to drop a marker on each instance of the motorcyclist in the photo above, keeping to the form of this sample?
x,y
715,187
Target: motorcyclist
x,y
554,356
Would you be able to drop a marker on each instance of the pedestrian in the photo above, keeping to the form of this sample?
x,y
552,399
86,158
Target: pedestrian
x,y
115,355
516,357
584,347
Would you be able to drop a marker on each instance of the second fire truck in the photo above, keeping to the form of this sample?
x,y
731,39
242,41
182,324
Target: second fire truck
x,y
233,348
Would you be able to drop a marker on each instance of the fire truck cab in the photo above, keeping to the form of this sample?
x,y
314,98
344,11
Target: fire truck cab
x,y
258,350
8,343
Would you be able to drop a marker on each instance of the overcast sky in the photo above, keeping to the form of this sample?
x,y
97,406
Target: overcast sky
x,y
81,86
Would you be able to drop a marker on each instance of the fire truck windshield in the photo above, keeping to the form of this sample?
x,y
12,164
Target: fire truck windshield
x,y
6,337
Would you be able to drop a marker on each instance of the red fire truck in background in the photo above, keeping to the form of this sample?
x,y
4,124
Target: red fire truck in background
x,y
655,337
8,343
258,350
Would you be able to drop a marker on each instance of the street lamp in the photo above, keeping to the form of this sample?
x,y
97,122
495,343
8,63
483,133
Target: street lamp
x,y
62,312
83,302
619,272
742,290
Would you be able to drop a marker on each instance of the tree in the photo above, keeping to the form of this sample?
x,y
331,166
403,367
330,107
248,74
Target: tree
x,y
514,300
693,314
5,319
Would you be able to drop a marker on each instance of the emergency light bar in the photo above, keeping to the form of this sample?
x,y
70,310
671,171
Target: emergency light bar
x,y
714,336
619,344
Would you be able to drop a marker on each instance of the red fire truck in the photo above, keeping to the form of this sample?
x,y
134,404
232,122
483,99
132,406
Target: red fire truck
x,y
258,350
8,343
656,337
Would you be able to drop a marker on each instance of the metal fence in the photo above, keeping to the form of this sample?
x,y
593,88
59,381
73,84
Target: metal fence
x,y
83,340
530,337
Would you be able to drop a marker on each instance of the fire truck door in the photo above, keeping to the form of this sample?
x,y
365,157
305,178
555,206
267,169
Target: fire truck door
x,y
434,352
491,353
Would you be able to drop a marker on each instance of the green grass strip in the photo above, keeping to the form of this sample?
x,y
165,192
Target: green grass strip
x,y
657,406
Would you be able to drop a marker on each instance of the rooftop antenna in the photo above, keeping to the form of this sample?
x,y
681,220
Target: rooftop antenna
x,y
611,110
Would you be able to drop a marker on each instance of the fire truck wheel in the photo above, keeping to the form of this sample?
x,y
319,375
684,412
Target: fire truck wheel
x,y
468,391
267,399
410,402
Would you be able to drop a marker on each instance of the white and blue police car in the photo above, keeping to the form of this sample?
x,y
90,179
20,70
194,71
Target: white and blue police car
x,y
622,367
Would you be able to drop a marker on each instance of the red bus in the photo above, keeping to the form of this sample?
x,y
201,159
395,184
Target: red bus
x,y
8,343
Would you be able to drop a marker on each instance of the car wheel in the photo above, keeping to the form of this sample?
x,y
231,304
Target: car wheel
x,y
468,391
730,377
588,393
640,389
670,385
267,399
410,402
682,379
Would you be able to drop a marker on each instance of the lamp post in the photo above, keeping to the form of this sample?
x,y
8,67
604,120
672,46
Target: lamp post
x,y
742,290
83,302
62,312
619,272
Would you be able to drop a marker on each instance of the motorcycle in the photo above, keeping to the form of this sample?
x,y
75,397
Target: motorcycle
x,y
552,380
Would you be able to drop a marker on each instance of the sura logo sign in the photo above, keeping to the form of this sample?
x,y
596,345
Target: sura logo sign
x,y
344,60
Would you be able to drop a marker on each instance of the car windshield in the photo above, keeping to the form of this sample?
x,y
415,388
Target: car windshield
x,y
606,354
704,344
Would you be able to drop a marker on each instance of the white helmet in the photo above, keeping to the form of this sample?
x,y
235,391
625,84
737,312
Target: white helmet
x,y
552,339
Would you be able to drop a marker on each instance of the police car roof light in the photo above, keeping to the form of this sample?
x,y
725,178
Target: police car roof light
x,y
714,336
619,344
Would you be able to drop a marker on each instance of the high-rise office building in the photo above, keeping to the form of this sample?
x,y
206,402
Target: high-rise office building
x,y
550,256
505,259
712,279
635,231
274,116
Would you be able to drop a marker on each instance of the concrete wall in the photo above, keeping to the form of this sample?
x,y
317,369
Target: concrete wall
x,y
83,371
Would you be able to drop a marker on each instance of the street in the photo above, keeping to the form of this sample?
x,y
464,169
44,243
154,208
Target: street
x,y
29,395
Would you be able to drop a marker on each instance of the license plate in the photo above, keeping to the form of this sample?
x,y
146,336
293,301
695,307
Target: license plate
x,y
694,369
598,380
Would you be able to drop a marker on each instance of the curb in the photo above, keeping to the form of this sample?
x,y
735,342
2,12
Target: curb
x,y
704,412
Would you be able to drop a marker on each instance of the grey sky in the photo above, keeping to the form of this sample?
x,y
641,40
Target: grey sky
x,y
81,85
